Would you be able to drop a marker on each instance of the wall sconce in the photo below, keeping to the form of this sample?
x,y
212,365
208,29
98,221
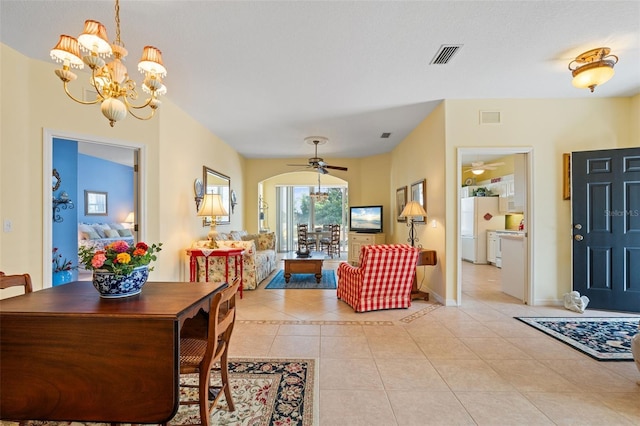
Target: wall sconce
x,y
198,189
61,203
592,68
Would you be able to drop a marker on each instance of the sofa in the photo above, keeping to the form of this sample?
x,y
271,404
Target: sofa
x,y
258,260
382,281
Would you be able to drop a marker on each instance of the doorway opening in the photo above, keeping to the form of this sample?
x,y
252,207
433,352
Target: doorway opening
x,y
506,214
107,149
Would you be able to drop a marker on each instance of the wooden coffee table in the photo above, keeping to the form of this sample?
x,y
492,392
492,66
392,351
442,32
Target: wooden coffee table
x,y
303,265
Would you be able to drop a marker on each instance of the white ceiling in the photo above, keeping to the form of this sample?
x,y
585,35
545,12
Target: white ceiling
x,y
263,75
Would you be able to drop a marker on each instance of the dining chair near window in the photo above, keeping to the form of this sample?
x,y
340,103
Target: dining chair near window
x,y
23,280
332,241
200,353
304,240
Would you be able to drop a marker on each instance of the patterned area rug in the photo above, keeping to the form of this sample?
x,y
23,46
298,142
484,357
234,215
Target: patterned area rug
x,y
296,281
265,392
604,339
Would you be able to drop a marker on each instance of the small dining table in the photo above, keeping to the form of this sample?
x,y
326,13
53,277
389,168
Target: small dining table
x,y
69,355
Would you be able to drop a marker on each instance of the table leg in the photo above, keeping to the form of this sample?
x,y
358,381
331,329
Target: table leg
x,y
287,277
193,266
318,277
239,265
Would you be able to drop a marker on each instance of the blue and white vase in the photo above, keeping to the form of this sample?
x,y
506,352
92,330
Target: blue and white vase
x,y
61,277
111,286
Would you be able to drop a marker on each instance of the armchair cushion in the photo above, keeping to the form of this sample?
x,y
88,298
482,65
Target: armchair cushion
x,y
382,281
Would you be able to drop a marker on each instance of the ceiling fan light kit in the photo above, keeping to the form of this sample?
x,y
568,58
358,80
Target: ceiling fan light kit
x,y
479,167
592,68
316,162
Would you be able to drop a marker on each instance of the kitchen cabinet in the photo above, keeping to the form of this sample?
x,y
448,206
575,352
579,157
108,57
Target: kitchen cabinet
x,y
357,240
492,245
514,265
467,191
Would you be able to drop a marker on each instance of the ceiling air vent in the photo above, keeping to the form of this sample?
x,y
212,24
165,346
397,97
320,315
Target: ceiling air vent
x,y
385,135
490,117
444,55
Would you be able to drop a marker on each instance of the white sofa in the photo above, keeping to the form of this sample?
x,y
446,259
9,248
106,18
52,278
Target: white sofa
x,y
258,260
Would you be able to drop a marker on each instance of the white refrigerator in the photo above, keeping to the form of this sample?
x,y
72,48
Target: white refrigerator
x,y
477,216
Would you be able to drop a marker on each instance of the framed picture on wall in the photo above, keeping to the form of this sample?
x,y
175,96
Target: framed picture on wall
x,y
401,201
95,203
419,194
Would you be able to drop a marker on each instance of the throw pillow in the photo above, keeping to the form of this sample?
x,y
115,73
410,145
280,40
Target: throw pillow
x,y
99,229
92,235
125,233
267,241
250,237
117,226
83,227
111,233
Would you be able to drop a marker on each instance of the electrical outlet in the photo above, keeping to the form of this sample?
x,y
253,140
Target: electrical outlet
x,y
7,225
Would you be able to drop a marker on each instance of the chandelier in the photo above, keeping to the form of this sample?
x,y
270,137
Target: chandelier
x,y
593,68
319,196
115,90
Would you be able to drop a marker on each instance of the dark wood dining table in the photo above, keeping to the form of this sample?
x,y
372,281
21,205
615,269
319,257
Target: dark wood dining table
x,y
67,354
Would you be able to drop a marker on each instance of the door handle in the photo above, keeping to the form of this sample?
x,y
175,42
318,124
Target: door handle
x,y
578,237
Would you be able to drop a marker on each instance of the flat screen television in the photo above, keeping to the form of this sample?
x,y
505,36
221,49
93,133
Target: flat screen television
x,y
365,219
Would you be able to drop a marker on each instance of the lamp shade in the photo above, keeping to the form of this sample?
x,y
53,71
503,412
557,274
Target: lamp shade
x,y
212,206
94,38
413,209
67,49
130,218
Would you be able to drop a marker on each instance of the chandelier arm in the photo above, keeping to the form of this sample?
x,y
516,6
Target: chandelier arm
x,y
131,108
66,90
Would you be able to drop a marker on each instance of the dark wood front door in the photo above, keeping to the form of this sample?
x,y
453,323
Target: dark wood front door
x,y
606,228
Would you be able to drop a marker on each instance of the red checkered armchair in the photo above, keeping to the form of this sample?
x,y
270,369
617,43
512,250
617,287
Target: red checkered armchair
x,y
382,281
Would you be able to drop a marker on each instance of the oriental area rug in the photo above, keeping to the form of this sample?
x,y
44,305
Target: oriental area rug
x,y
307,281
265,392
604,339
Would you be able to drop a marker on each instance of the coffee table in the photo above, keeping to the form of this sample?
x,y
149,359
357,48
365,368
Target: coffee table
x,y
303,265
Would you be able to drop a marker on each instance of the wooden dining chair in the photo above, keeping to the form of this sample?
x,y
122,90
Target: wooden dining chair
x,y
304,240
23,280
199,354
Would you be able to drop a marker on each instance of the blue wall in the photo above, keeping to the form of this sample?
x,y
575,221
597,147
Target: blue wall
x,y
79,172
65,233
105,176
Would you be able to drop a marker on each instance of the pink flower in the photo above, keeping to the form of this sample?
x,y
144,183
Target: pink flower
x,y
119,246
98,260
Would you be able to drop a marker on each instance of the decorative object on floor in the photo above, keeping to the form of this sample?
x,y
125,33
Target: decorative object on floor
x,y
412,210
61,268
212,207
303,281
574,302
265,392
592,68
635,349
111,83
602,338
120,270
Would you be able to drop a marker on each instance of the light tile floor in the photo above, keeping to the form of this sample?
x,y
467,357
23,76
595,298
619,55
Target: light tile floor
x,y
465,365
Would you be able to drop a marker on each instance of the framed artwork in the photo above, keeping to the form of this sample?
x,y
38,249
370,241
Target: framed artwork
x,y
419,194
566,176
95,203
401,201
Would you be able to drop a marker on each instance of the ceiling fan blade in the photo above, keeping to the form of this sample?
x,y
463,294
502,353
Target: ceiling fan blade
x,y
344,169
323,170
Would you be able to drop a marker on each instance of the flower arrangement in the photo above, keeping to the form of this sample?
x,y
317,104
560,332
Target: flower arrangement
x,y
60,264
119,257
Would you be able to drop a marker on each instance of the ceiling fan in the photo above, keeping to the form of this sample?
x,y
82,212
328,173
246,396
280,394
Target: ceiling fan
x,y
316,162
479,167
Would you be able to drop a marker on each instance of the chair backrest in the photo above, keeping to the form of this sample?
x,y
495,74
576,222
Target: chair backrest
x,y
23,280
335,234
391,264
222,316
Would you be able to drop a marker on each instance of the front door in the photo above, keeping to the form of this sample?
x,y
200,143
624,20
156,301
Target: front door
x,y
606,227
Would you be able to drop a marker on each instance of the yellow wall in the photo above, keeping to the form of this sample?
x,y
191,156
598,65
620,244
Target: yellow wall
x,y
420,156
176,149
551,127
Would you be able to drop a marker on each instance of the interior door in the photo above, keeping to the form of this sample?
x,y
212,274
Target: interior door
x,y
606,227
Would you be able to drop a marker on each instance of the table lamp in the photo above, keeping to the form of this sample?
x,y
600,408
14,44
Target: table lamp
x,y
212,206
412,210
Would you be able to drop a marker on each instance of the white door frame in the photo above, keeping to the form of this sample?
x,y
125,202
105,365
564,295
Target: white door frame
x,y
47,194
528,214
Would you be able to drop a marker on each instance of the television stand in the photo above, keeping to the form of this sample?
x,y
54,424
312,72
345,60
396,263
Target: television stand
x,y
356,240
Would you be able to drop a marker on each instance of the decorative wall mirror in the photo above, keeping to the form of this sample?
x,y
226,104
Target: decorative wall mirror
x,y
217,183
